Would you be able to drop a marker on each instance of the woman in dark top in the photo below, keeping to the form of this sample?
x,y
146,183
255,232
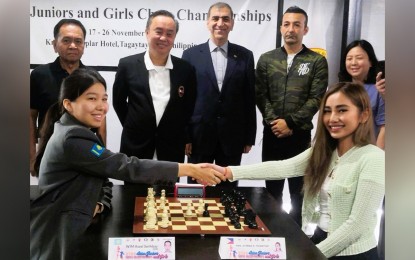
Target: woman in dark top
x,y
73,168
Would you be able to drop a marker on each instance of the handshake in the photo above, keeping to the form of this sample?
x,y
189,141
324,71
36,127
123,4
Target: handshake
x,y
205,173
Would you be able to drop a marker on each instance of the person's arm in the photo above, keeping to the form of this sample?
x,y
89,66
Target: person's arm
x,y
120,93
262,90
318,87
370,191
270,170
33,136
380,141
86,155
250,103
379,115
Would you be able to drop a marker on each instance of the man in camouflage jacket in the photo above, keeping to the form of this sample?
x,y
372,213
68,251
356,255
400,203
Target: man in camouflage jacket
x,y
290,82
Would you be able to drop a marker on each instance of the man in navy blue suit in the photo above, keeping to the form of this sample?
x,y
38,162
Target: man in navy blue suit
x,y
223,125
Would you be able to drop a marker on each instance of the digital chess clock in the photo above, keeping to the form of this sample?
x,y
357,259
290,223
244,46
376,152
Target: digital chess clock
x,y
183,190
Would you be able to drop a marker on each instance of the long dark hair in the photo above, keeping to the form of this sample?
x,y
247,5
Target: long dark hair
x,y
324,144
71,88
368,48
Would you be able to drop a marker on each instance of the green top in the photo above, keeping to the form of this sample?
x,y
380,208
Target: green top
x,y
294,95
356,189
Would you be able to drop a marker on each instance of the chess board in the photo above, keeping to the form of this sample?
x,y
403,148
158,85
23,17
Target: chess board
x,y
216,223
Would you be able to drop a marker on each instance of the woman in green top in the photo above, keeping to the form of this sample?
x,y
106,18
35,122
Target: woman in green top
x,y
344,175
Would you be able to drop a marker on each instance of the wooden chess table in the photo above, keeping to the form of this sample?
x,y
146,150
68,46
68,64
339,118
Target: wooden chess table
x,y
216,223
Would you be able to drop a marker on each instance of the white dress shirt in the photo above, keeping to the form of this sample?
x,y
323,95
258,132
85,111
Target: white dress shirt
x,y
219,59
159,82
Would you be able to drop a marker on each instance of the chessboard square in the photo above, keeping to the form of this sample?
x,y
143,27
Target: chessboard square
x,y
176,211
210,201
178,219
207,227
213,208
220,223
178,227
216,215
192,223
205,223
205,219
174,204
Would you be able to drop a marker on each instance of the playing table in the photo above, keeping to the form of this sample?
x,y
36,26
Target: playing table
x,y
119,223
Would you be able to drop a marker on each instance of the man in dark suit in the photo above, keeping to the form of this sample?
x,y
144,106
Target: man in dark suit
x,y
223,124
154,95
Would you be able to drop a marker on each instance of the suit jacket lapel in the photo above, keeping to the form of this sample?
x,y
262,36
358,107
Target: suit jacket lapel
x,y
232,61
142,69
210,70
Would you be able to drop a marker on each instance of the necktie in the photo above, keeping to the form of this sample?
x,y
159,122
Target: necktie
x,y
220,66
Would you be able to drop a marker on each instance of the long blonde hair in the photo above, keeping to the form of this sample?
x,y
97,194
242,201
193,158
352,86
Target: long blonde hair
x,y
324,144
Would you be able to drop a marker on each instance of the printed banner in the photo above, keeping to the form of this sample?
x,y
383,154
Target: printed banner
x,y
120,248
252,248
116,29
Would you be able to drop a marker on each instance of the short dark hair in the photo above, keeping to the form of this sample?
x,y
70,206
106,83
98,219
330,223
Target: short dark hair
x,y
368,48
220,5
167,241
67,21
162,13
297,10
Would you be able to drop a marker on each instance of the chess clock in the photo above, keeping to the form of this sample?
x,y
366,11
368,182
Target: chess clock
x,y
183,190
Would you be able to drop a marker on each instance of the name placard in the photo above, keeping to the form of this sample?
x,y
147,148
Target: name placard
x,y
252,248
121,248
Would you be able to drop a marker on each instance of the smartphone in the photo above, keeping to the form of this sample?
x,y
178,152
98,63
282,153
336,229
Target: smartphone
x,y
381,68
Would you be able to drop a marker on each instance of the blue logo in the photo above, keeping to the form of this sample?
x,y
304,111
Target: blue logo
x,y
97,150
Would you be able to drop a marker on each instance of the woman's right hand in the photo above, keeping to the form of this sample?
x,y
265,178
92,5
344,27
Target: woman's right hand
x,y
381,85
201,173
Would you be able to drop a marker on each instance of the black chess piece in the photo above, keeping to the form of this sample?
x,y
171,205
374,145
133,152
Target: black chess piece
x,y
250,219
237,225
206,212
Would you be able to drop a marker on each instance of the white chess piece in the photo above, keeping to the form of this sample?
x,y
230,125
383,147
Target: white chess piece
x,y
189,209
162,202
164,223
151,219
201,207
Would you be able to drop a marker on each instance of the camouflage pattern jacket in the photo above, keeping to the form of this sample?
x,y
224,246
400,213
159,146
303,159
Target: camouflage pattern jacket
x,y
294,96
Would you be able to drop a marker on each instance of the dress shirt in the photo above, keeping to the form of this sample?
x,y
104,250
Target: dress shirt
x,y
219,60
159,82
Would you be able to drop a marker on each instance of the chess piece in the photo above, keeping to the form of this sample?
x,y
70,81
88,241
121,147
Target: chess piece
x,y
250,219
151,219
189,210
206,212
162,202
164,223
200,207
